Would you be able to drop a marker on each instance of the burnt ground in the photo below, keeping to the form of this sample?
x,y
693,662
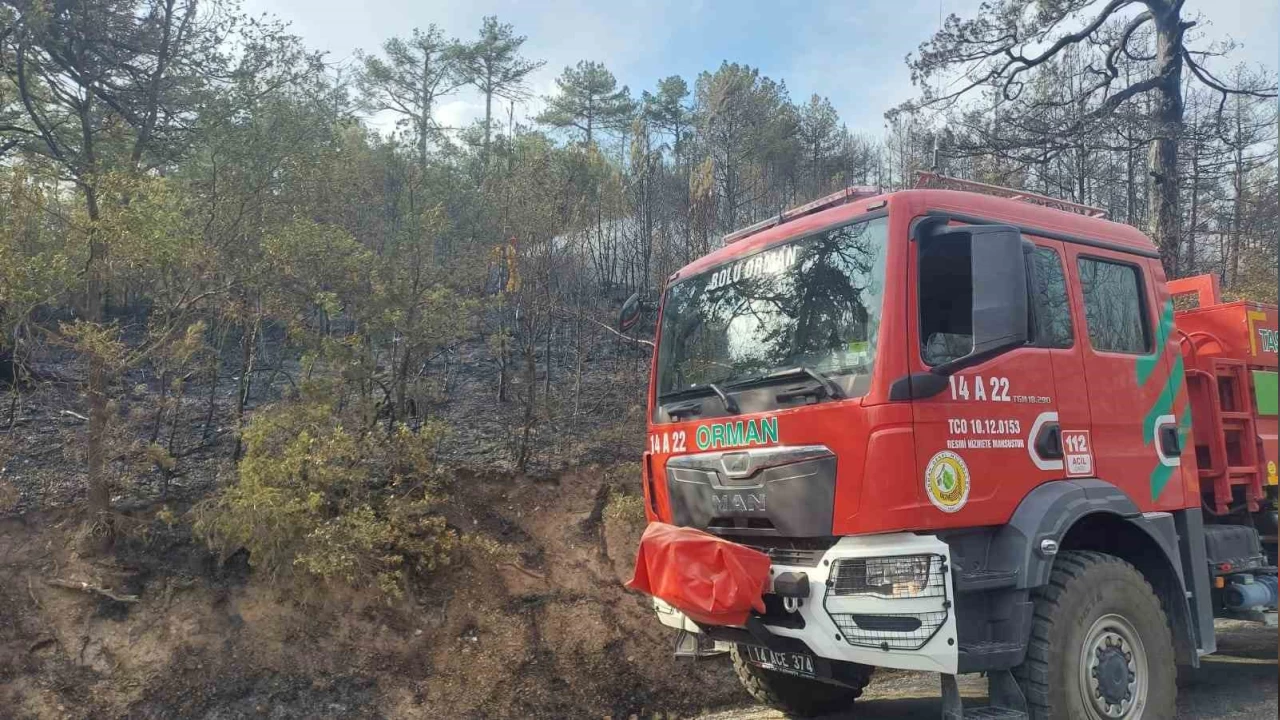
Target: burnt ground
x,y
596,418
1238,682
531,621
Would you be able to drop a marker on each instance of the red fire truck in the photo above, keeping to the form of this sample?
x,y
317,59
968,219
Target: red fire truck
x,y
957,429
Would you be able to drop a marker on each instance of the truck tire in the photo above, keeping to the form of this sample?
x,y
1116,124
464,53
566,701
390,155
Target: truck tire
x,y
1100,646
797,696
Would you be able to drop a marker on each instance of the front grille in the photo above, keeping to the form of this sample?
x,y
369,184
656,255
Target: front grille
x,y
884,577
795,556
908,631
774,492
798,552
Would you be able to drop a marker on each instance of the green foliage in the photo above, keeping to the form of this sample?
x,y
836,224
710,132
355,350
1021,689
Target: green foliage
x,y
315,270
625,508
37,265
589,100
317,499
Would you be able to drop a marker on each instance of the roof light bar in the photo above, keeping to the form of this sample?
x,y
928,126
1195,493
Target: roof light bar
x,y
936,181
847,195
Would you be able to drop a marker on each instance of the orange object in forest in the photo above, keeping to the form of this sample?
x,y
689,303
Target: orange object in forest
x,y
710,579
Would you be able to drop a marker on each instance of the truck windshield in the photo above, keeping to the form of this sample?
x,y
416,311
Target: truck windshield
x,y
812,303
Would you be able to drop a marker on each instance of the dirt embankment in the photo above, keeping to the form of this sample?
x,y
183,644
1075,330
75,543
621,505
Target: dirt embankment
x,y
540,629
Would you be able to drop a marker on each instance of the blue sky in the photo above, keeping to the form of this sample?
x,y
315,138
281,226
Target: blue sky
x,y
851,51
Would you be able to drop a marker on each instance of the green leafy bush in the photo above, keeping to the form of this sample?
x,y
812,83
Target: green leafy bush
x,y
315,499
625,508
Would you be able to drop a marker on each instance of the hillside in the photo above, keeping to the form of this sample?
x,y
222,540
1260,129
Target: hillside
x,y
545,633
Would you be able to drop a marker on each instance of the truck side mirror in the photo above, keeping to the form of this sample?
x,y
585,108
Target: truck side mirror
x,y
630,313
973,294
999,288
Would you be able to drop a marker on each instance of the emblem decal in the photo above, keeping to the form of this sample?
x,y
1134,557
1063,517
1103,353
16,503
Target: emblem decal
x,y
946,481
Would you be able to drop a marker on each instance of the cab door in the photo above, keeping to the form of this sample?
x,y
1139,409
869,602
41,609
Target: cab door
x,y
973,435
1132,384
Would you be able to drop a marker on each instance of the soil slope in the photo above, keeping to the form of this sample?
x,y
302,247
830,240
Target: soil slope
x,y
532,621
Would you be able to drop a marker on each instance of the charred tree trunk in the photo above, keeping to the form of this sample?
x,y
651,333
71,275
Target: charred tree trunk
x,y
1163,214
215,369
531,389
247,343
99,490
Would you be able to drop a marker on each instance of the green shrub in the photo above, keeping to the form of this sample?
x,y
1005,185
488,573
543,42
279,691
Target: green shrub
x,y
315,499
625,508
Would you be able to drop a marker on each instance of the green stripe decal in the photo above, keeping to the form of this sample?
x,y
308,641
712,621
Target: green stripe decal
x,y
1161,474
1164,403
1144,369
1147,364
1264,391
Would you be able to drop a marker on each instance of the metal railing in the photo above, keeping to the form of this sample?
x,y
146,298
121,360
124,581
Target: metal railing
x,y
936,181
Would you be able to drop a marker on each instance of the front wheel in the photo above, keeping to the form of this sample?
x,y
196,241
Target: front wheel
x,y
797,696
1100,645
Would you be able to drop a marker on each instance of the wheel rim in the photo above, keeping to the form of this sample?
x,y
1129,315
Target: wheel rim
x,y
1113,670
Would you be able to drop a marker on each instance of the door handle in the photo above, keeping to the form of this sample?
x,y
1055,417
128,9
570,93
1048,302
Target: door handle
x,y
1170,443
1048,443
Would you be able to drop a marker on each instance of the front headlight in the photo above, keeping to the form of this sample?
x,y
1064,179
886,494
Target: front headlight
x,y
905,576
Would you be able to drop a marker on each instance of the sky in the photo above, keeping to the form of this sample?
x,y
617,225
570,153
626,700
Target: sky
x,y
851,51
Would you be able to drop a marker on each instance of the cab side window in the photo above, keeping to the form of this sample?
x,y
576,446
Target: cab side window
x,y
1113,307
1049,299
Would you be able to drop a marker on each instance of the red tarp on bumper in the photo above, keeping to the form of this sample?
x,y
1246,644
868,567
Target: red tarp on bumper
x,y
713,581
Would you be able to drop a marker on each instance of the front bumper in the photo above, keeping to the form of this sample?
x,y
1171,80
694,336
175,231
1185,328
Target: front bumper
x,y
824,638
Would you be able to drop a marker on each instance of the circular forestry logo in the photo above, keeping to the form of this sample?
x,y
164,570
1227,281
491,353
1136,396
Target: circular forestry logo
x,y
946,481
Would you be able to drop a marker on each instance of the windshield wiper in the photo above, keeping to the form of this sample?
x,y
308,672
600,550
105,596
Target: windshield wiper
x,y
730,405
832,389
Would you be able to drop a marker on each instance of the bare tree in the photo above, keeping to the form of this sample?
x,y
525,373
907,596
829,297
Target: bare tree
x,y
1009,42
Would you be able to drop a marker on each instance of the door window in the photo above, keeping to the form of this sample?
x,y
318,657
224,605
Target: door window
x,y
1051,306
1113,307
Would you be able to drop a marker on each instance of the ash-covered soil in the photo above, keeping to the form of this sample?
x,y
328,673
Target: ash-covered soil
x,y
530,621
587,414
547,633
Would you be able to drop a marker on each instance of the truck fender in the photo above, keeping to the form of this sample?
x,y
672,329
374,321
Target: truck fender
x,y
1046,514
1044,521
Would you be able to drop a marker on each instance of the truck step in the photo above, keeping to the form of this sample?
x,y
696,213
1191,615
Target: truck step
x,y
988,655
993,713
986,579
990,648
1008,702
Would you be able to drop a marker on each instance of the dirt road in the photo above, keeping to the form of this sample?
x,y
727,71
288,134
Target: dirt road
x,y
1237,682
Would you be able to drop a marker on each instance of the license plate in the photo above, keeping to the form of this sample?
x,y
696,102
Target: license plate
x,y
783,662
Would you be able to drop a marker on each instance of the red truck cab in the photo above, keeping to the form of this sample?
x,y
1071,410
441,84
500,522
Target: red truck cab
x,y
930,406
